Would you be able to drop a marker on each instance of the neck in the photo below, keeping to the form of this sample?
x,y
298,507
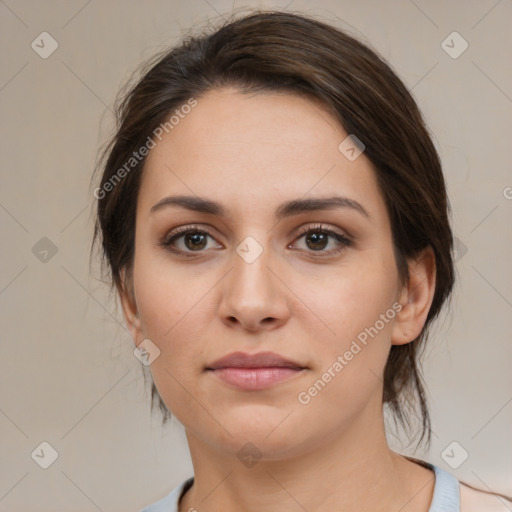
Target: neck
x,y
334,475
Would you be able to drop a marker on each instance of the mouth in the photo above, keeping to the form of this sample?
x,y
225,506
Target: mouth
x,y
255,372
252,379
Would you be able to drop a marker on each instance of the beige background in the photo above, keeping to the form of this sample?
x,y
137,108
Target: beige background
x,y
68,375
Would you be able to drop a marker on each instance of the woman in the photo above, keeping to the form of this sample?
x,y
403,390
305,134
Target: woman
x,y
274,216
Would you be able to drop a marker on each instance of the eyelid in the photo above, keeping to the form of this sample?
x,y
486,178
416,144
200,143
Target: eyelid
x,y
321,226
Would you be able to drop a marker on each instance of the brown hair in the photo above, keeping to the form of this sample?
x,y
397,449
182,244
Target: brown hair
x,y
278,51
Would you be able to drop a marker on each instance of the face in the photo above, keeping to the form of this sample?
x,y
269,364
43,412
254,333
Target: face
x,y
311,285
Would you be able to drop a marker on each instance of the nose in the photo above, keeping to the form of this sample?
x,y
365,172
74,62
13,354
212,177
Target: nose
x,y
253,296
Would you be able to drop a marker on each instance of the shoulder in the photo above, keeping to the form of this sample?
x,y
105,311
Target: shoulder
x,y
476,500
453,494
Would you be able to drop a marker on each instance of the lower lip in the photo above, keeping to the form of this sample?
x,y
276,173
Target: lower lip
x,y
255,378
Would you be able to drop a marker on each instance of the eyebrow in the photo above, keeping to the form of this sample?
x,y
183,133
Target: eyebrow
x,y
287,209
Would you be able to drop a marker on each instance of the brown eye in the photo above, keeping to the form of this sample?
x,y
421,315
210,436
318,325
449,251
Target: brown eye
x,y
317,238
195,240
317,241
186,240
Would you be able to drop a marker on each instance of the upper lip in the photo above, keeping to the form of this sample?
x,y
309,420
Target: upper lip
x,y
259,360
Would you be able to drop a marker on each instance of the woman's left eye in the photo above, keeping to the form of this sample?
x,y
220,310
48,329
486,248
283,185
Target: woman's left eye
x,y
316,239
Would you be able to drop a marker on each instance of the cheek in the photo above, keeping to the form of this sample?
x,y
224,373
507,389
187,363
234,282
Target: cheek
x,y
352,298
171,303
171,315
355,305
350,362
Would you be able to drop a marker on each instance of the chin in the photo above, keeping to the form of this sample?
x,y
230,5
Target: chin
x,y
272,437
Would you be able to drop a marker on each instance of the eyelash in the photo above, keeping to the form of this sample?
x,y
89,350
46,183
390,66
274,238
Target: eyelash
x,y
171,238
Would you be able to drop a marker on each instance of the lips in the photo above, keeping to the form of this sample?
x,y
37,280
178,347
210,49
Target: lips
x,y
259,360
254,372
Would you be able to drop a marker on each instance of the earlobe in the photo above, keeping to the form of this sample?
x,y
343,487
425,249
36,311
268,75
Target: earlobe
x,y
129,303
416,298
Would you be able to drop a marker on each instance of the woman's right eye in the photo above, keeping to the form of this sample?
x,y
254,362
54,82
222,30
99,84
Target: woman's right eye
x,y
186,239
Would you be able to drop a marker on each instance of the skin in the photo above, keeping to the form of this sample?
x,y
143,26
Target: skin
x,y
251,153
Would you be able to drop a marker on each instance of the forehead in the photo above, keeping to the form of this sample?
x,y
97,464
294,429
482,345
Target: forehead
x,y
250,149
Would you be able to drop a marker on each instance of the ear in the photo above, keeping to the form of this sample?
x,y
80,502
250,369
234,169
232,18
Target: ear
x,y
415,298
129,304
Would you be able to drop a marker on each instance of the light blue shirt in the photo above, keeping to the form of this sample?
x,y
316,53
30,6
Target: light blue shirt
x,y
446,494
